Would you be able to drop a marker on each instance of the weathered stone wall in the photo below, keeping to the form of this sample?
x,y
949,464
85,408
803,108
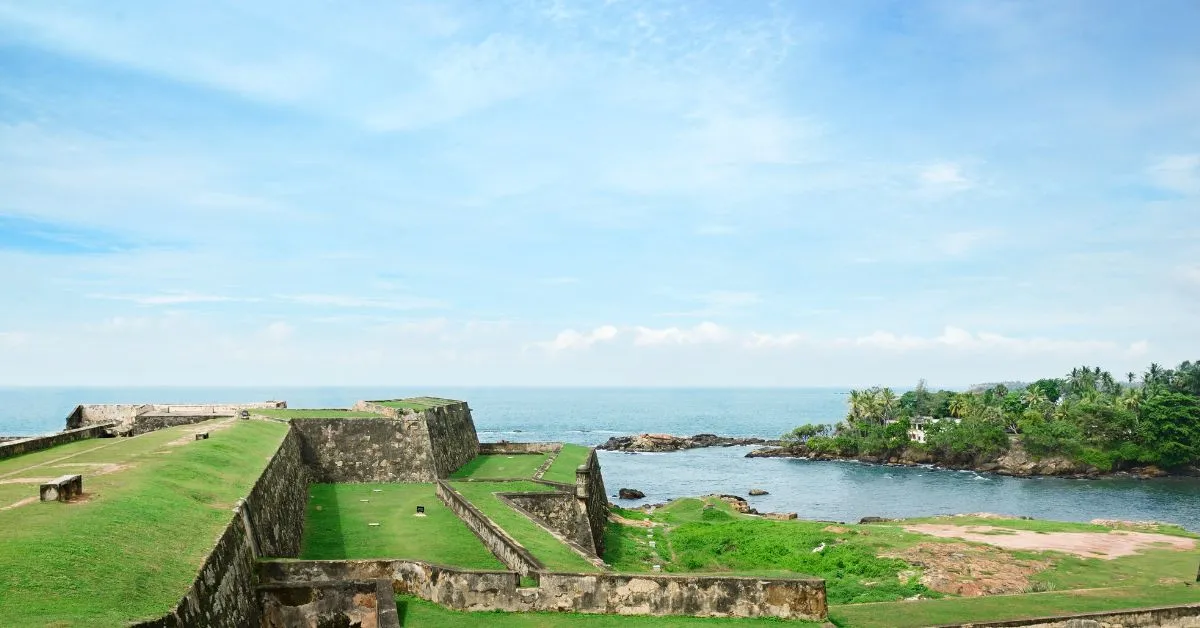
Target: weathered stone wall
x,y
277,503
26,445
153,422
95,414
498,542
560,512
343,603
518,448
1186,616
624,594
589,489
270,518
367,450
452,437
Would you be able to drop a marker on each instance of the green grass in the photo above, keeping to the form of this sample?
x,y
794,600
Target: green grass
x,y
134,547
1001,607
419,613
315,413
417,404
336,526
500,467
563,467
550,551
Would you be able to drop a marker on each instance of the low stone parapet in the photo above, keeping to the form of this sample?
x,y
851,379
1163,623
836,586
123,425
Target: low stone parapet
x,y
38,443
504,447
608,593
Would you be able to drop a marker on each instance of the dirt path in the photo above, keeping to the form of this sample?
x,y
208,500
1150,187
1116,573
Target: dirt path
x,y
1106,545
189,433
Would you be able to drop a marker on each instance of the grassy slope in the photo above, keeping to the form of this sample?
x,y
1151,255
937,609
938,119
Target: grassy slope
x,y
500,466
563,467
553,554
133,550
416,403
1000,607
340,528
721,541
418,613
315,413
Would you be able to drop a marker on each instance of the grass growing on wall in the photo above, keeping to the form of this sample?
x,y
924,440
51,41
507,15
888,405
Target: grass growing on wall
x,y
337,526
315,413
416,403
550,551
500,466
132,548
563,467
419,613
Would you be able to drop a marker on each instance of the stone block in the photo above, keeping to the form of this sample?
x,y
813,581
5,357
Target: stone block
x,y
202,436
62,488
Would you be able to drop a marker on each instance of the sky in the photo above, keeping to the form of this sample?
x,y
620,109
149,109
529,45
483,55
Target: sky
x,y
620,193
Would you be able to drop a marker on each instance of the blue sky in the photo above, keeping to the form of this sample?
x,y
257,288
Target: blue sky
x,y
596,193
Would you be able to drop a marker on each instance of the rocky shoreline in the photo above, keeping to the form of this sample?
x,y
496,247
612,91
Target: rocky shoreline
x,y
669,442
1015,463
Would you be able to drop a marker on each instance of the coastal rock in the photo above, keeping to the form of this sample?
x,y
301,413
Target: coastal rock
x,y
780,516
875,520
630,493
738,503
669,442
754,492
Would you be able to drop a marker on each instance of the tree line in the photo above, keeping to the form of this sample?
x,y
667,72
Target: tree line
x,y
1088,415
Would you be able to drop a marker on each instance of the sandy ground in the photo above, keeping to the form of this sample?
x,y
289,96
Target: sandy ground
x,y
968,570
1105,545
189,434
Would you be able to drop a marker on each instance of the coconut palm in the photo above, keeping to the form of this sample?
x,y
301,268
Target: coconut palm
x,y
958,406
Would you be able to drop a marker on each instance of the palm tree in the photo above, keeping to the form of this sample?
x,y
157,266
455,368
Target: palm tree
x,y
1034,399
860,406
958,405
885,401
1131,376
1130,399
1153,375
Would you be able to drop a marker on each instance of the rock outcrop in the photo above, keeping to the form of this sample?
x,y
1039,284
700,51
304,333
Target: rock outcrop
x,y
630,493
669,442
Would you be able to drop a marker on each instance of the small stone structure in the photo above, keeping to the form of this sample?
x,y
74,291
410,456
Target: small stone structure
x,y
202,436
62,489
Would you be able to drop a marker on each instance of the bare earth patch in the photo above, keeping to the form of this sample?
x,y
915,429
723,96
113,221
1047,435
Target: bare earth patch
x,y
23,502
1107,545
969,570
189,434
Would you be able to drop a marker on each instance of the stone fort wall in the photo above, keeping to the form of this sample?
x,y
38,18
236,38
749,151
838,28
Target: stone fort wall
x,y
622,594
268,523
403,447
20,446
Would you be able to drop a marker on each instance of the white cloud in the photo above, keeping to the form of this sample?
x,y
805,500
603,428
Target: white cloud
x,y
1177,173
943,179
338,300
279,331
962,242
961,339
705,332
13,338
570,339
170,298
767,341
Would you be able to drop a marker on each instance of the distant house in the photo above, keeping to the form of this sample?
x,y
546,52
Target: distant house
x,y
918,424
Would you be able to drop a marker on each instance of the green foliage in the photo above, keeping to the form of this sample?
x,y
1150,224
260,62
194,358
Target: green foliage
x,y
1170,428
1051,437
967,441
563,468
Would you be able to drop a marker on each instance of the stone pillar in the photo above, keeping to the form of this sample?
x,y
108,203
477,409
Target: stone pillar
x,y
581,482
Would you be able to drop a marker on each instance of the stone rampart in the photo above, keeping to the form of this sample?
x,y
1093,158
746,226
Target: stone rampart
x,y
623,594
452,437
589,490
95,414
1185,616
508,550
559,512
367,450
504,447
37,443
270,521
343,603
126,414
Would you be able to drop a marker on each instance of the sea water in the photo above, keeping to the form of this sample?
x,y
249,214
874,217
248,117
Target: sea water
x,y
838,491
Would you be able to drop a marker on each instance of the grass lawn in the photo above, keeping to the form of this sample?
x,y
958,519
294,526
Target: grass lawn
x,y
552,553
1000,607
694,540
416,403
500,467
563,467
336,526
419,613
133,547
315,413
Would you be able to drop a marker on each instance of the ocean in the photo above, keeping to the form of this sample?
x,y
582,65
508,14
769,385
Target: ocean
x,y
837,491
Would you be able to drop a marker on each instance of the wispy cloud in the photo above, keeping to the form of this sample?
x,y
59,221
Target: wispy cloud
x,y
961,339
959,243
706,332
173,298
943,179
1177,173
569,339
347,301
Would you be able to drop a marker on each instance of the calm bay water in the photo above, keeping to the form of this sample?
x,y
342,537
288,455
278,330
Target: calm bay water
x,y
840,491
